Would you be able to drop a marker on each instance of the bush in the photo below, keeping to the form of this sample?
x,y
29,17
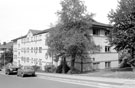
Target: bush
x,y
59,69
67,68
120,69
50,68
74,71
36,68
125,69
62,69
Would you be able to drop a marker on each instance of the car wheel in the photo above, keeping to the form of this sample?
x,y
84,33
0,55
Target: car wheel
x,y
22,75
8,72
33,75
18,74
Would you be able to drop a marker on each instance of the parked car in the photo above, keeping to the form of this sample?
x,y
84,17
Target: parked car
x,y
26,70
10,69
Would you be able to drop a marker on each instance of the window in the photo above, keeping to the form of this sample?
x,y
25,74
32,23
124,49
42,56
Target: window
x,y
19,53
31,39
35,38
22,59
93,59
24,50
15,56
40,61
46,56
32,60
27,59
31,49
28,49
40,37
96,65
36,50
21,40
18,45
96,31
107,48
27,39
40,49
107,64
21,49
106,33
35,61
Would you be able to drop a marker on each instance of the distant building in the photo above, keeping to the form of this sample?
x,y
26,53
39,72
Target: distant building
x,y
31,49
6,47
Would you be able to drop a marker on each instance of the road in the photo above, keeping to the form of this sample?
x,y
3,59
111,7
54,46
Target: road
x,y
12,81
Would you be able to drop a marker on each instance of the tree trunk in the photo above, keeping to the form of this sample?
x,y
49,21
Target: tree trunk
x,y
132,57
132,53
64,64
81,65
72,63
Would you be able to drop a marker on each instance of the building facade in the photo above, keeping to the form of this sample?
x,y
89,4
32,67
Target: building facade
x,y
31,49
107,57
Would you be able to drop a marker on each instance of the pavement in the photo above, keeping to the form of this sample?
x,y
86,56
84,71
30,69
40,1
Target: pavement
x,y
107,82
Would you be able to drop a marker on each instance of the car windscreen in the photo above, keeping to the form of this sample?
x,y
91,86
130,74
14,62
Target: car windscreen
x,y
28,67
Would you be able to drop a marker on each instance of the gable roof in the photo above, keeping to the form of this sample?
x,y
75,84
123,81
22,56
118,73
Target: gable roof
x,y
44,31
19,38
95,23
36,32
8,45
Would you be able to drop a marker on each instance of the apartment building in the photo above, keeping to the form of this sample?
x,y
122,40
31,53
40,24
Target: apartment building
x,y
31,49
107,57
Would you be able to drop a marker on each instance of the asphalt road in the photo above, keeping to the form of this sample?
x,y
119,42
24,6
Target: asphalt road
x,y
12,81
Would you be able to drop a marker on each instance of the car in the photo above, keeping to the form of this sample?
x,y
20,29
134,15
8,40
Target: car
x,y
26,70
11,69
0,68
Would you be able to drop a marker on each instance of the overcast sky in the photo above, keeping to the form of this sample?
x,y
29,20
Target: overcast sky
x,y
18,16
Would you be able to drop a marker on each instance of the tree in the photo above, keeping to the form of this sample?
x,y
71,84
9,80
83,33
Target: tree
x,y
70,37
6,57
4,43
122,36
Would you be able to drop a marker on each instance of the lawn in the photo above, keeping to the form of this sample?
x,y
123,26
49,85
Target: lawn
x,y
111,74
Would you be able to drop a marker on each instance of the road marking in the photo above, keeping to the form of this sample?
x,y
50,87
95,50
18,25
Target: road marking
x,y
85,83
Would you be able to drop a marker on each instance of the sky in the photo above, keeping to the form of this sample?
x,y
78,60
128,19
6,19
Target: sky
x,y
18,16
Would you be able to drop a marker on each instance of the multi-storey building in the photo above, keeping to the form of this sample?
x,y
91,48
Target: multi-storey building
x,y
31,49
107,57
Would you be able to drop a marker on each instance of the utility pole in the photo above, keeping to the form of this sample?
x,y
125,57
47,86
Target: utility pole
x,y
4,56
